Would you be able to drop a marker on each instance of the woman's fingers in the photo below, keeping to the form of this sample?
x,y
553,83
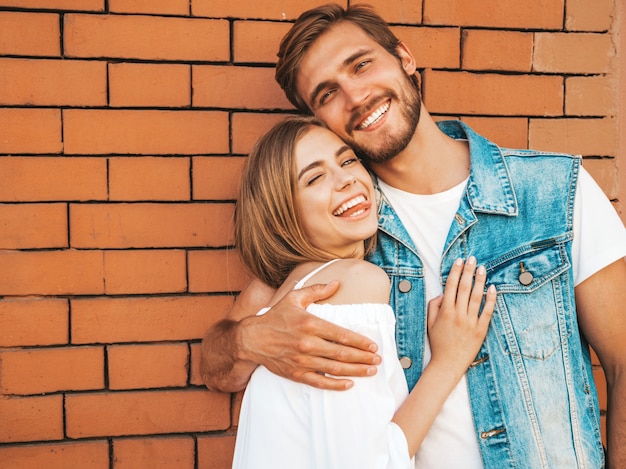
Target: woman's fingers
x,y
476,296
465,289
466,282
452,284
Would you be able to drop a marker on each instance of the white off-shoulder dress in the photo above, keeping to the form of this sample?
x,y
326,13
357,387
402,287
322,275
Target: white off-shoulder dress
x,y
284,424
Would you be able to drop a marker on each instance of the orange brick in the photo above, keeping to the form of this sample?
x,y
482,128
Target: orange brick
x,y
151,225
154,453
28,226
51,369
51,273
583,15
36,179
74,5
236,407
149,178
591,96
147,366
580,53
587,137
155,38
600,380
28,322
29,33
547,14
30,419
276,9
114,320
490,94
147,132
510,132
432,47
84,454
216,271
53,82
248,128
237,87
216,178
195,377
146,271
144,85
257,41
497,50
604,172
216,452
396,11
30,131
158,7
145,412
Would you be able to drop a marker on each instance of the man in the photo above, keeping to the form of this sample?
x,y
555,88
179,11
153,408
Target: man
x,y
551,242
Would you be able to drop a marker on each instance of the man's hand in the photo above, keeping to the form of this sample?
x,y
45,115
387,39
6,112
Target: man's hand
x,y
286,340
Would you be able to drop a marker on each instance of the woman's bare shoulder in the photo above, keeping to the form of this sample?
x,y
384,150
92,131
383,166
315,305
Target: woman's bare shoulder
x,y
359,282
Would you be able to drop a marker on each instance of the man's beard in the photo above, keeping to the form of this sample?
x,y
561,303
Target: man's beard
x,y
392,144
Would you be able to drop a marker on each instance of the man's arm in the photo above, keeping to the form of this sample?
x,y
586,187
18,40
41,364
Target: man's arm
x,y
286,340
601,306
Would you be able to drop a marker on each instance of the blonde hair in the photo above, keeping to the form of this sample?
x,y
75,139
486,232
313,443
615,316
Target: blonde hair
x,y
268,234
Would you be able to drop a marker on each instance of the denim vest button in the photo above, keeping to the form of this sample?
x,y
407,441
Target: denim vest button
x,y
405,286
525,277
406,362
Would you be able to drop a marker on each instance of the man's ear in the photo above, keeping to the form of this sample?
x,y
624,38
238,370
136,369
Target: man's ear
x,y
406,58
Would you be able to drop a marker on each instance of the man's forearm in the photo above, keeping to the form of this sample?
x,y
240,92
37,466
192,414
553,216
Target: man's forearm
x,y
219,366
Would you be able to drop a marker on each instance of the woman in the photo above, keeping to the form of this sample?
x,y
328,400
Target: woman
x,y
307,214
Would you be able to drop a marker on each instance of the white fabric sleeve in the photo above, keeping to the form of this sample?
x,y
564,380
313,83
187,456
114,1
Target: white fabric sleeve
x,y
599,234
362,434
287,424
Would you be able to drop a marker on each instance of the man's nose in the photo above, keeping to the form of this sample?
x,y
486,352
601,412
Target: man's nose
x,y
356,94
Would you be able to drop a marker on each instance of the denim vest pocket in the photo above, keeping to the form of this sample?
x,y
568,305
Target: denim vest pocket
x,y
529,314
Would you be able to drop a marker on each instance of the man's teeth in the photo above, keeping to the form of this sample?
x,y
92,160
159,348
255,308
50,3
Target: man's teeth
x,y
349,204
374,116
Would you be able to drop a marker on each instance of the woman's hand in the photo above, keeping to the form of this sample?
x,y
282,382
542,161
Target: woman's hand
x,y
456,325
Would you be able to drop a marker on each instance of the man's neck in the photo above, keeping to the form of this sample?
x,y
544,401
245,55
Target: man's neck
x,y
431,163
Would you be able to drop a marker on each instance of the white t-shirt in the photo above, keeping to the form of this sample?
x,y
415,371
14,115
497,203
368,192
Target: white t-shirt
x,y
599,240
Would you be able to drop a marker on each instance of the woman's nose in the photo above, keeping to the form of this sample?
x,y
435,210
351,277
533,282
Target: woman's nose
x,y
346,179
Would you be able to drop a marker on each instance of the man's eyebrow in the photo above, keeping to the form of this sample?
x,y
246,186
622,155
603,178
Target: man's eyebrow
x,y
348,60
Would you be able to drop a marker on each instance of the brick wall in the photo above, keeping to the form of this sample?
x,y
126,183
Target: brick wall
x,y
124,125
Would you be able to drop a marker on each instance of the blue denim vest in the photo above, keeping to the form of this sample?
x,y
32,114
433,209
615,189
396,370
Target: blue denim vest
x,y
531,387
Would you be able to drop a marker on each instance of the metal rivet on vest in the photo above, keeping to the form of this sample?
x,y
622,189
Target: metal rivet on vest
x,y
406,362
525,277
405,286
459,219
490,433
478,361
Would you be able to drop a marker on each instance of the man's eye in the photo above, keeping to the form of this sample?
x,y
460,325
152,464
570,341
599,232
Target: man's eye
x,y
326,96
362,64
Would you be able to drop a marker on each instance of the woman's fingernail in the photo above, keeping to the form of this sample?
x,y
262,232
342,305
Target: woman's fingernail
x,y
471,260
481,270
